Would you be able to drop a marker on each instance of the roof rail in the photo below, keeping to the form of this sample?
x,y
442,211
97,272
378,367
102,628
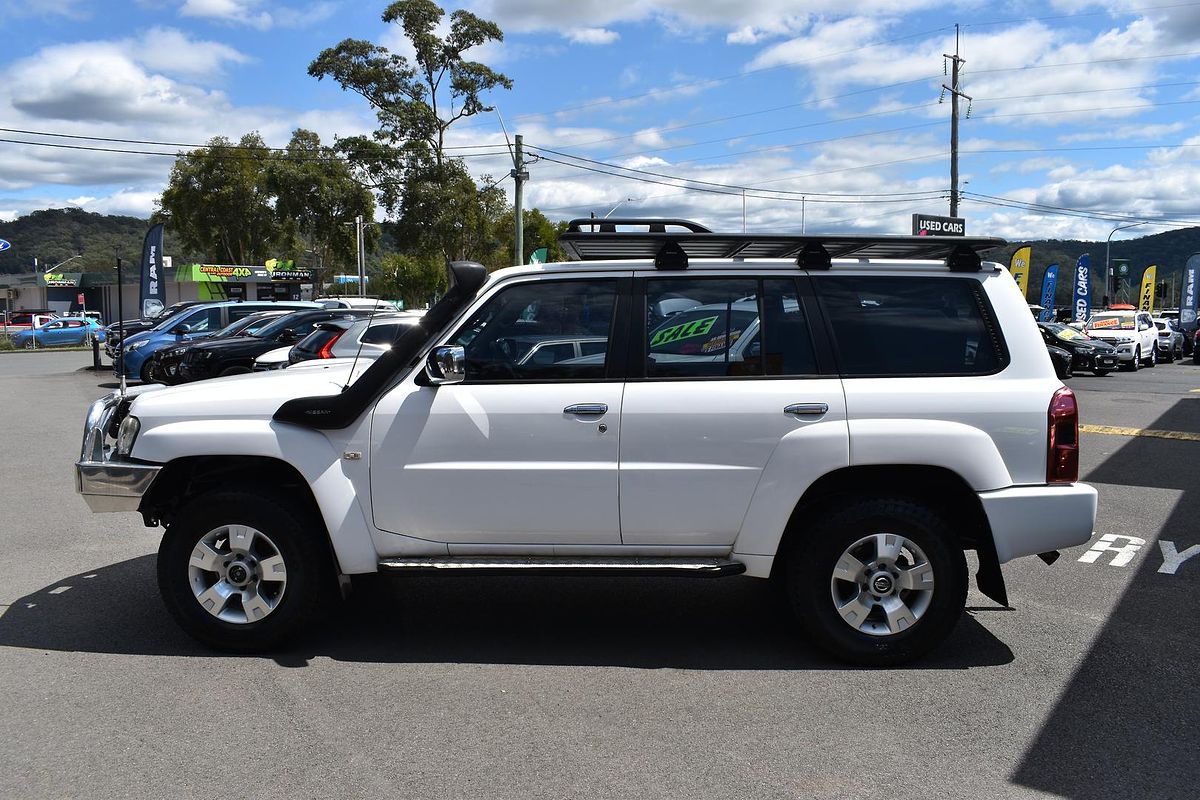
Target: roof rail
x,y
673,249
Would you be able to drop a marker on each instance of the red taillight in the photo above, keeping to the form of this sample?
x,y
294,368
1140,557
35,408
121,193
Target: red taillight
x,y
1062,438
326,350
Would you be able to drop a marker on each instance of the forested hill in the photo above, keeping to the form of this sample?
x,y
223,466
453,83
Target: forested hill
x,y
1169,250
56,234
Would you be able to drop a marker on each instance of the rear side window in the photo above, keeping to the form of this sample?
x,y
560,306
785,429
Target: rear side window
x,y
895,326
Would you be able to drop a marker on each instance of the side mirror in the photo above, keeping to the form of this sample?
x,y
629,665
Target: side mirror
x,y
446,364
181,330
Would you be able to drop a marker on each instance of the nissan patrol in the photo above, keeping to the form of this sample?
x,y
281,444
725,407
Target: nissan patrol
x,y
848,414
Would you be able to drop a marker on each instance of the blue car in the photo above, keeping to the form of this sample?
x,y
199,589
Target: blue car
x,y
62,331
190,323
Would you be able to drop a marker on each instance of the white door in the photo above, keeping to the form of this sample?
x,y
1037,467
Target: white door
x,y
701,423
525,450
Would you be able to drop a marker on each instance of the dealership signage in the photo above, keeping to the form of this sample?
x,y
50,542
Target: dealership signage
x,y
61,279
928,225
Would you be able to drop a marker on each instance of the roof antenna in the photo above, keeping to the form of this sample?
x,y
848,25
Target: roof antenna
x,y
361,339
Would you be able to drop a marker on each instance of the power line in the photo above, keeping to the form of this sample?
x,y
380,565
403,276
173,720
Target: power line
x,y
251,153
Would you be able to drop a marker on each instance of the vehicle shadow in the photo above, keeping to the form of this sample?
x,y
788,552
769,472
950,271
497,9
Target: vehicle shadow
x,y
1125,725
727,623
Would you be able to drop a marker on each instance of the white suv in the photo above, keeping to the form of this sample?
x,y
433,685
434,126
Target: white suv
x,y
1131,332
849,414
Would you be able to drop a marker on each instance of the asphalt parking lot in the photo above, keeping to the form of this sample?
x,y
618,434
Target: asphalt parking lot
x,y
520,687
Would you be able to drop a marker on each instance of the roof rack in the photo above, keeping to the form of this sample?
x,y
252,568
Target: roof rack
x,y
672,249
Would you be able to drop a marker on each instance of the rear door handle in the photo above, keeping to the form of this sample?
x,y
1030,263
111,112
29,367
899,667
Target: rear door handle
x,y
807,409
587,409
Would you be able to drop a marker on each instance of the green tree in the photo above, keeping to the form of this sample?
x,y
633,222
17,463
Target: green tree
x,y
316,197
217,201
436,204
413,279
416,103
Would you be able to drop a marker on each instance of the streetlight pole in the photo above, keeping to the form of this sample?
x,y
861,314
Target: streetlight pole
x,y
59,264
1107,252
618,205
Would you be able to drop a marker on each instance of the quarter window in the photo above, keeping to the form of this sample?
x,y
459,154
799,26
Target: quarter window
x,y
537,330
892,326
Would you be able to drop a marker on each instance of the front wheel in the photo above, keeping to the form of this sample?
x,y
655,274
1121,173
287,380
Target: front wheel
x,y
879,582
1136,364
242,572
1153,357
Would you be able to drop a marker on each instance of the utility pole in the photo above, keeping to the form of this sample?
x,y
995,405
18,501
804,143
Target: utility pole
x,y
955,93
360,250
519,176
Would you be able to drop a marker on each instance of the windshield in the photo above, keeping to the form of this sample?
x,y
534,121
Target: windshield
x,y
277,325
1111,322
1065,332
170,321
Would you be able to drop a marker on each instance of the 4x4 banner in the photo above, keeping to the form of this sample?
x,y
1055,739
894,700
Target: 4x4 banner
x,y
1081,307
1188,297
1146,301
153,294
1019,267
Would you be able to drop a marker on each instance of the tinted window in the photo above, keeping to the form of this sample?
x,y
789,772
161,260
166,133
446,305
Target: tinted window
x,y
910,326
382,334
732,327
501,337
205,319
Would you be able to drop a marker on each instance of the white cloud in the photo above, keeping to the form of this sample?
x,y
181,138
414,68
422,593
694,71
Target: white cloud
x,y
71,9
591,35
241,12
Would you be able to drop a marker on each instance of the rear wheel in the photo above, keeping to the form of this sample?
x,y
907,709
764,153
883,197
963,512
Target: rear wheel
x,y
31,343
242,572
879,582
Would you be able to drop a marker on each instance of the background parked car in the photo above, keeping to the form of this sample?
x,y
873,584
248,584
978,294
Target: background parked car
x,y
1170,339
129,327
365,338
164,365
369,303
63,331
1062,361
236,355
1131,332
1086,352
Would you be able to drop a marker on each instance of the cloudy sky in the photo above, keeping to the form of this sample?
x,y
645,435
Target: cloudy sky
x,y
783,114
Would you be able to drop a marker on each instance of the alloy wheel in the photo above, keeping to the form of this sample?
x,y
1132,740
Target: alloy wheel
x,y
882,584
237,574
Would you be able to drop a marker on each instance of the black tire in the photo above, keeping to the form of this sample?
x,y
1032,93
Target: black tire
x,y
1153,358
310,588
1068,370
147,373
1100,373
1136,363
233,371
815,553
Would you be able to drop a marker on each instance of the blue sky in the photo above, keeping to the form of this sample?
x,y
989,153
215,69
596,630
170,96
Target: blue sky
x,y
824,114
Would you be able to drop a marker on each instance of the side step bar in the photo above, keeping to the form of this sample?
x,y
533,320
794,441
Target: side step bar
x,y
521,565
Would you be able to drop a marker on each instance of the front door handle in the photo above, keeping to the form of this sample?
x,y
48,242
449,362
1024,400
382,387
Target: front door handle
x,y
807,409
587,409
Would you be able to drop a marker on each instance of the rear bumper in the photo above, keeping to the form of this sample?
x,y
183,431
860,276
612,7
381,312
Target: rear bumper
x,y
1026,520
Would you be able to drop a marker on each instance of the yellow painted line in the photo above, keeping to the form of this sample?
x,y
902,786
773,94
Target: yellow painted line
x,y
1113,430
1194,391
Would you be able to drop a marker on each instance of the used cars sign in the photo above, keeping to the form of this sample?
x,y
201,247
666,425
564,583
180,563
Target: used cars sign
x,y
927,225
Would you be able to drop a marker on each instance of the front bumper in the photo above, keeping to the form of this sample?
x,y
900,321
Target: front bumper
x,y
1027,520
106,482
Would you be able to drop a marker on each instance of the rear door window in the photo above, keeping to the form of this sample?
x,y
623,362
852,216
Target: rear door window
x,y
901,326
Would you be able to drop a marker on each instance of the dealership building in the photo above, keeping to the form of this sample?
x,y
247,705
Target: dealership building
x,y
64,292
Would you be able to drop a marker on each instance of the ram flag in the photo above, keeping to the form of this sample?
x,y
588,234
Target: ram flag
x,y
1146,303
1191,292
1019,267
1049,285
1081,307
153,294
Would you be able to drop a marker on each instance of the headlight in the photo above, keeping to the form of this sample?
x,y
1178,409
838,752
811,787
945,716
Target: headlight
x,y
127,433
1083,348
137,345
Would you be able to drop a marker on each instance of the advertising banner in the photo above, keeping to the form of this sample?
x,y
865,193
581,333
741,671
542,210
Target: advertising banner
x,y
929,225
153,294
1019,267
1189,295
1049,285
1081,307
1146,303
